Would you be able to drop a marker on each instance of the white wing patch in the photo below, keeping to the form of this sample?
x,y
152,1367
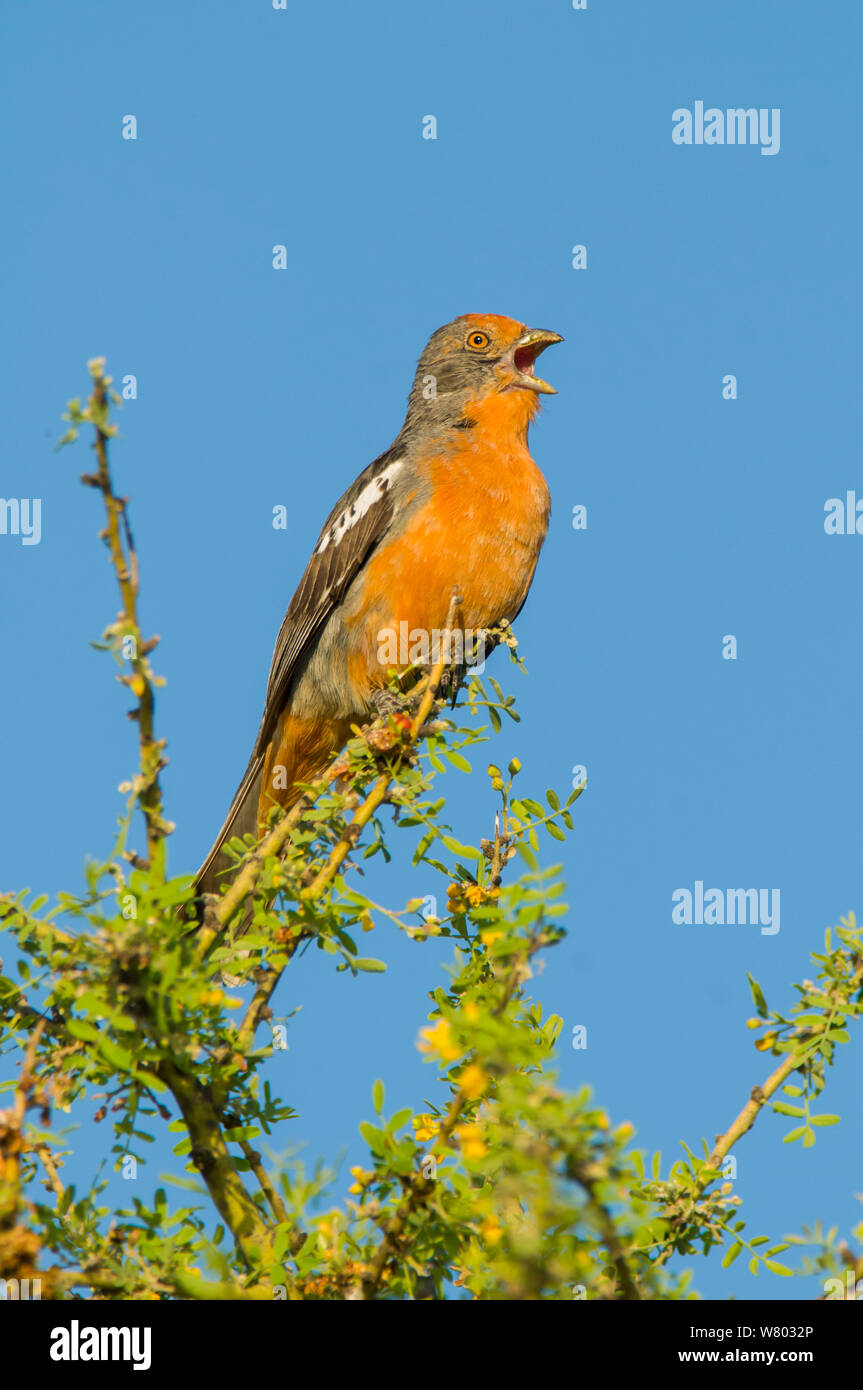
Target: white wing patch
x,y
370,494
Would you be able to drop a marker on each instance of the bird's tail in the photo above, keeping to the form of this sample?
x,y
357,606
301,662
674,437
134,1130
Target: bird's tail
x,y
303,747
242,819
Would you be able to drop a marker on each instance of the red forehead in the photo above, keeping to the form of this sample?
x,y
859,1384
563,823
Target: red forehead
x,y
497,325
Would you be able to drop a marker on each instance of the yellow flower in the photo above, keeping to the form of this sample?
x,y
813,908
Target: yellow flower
x,y
476,895
211,996
490,936
491,1230
439,1039
326,1233
470,1011
624,1131
362,1178
472,1081
426,1127
472,1146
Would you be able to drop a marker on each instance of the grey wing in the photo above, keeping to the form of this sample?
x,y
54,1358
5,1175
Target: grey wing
x,y
354,527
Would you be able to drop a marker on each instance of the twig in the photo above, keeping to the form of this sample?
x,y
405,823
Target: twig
x,y
418,1188
338,854
253,1158
10,1132
51,1169
746,1119
210,1155
125,562
608,1232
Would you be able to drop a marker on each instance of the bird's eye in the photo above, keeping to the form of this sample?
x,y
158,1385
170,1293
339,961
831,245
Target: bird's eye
x,y
477,341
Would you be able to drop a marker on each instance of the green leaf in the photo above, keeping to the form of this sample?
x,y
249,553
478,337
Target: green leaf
x,y
757,996
824,1119
776,1268
79,1028
458,761
809,1138
554,830
373,1137
527,854
378,1096
552,1027
281,1241
732,1254
456,847
119,1057
369,965
794,1134
753,1265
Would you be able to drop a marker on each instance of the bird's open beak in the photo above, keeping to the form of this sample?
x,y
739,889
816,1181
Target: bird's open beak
x,y
524,355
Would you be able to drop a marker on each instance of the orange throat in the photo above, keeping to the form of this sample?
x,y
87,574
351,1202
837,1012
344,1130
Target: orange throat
x,y
504,414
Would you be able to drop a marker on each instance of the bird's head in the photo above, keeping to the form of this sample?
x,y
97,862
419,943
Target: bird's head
x,y
477,358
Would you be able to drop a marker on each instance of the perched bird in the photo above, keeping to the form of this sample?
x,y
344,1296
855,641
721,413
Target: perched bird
x,y
456,502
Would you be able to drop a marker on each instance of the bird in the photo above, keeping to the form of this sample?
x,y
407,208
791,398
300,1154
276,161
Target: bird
x,y
456,503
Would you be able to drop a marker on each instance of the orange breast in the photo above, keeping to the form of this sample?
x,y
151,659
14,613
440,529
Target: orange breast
x,y
481,530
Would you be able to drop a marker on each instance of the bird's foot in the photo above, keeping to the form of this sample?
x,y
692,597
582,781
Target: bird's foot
x,y
387,703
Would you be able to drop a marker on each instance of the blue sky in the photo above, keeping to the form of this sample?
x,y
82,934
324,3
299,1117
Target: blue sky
x,y
257,388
